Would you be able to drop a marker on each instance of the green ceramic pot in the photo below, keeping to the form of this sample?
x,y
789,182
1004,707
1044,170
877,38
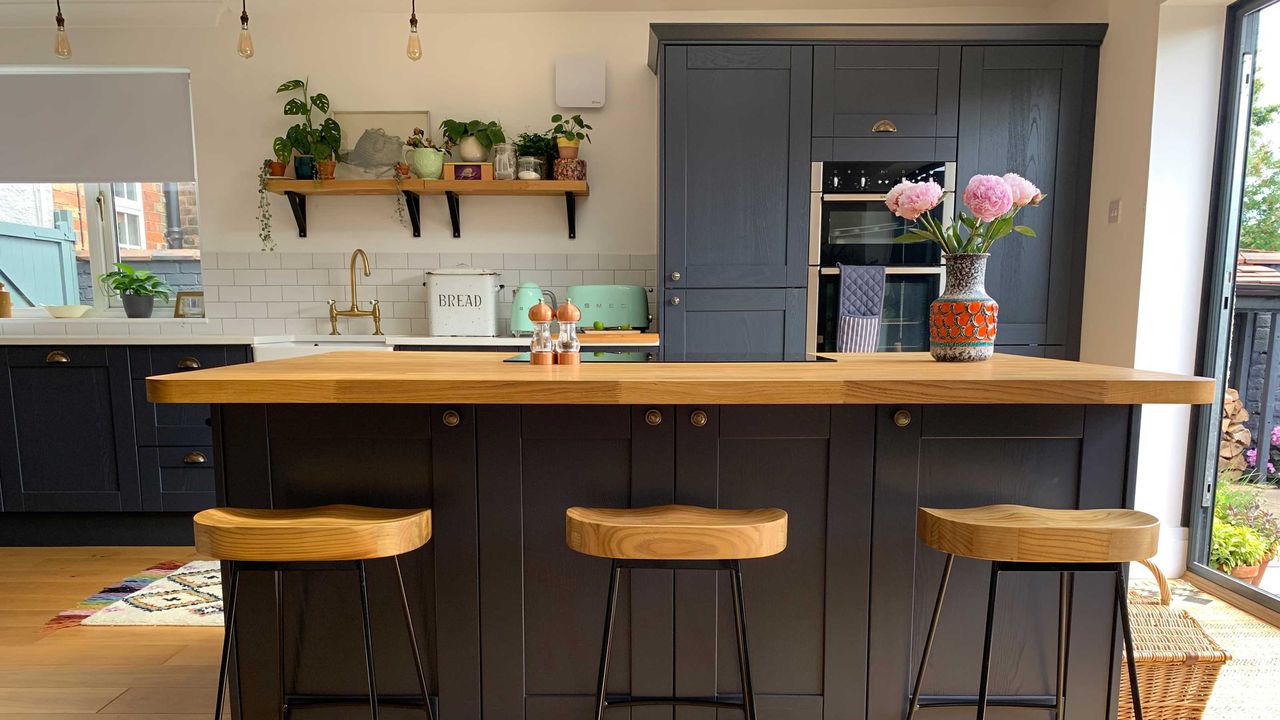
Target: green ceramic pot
x,y
426,163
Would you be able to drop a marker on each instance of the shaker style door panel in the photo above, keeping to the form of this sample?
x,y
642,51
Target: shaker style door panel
x,y
1029,110
735,166
67,432
175,424
885,92
734,325
961,456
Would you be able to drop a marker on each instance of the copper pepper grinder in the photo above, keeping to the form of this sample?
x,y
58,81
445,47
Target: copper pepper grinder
x,y
541,348
6,303
567,345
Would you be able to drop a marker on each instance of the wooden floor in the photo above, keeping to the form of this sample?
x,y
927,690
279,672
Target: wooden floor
x,y
106,673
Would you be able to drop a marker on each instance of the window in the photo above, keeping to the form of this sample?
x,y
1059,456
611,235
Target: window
x,y
67,234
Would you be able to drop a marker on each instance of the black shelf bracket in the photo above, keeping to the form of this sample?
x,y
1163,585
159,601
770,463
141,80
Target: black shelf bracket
x,y
455,213
298,203
570,206
414,205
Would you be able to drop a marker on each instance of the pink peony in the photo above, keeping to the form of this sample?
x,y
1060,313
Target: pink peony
x,y
988,197
916,199
1024,192
891,199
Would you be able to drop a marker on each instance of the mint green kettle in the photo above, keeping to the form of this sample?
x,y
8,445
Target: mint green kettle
x,y
524,297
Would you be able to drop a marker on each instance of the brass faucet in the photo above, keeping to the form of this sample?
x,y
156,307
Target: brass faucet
x,y
373,312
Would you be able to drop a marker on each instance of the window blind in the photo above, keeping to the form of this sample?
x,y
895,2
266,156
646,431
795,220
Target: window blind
x,y
96,124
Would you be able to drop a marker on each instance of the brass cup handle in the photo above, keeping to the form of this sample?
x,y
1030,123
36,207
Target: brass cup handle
x,y
57,357
884,126
902,418
653,417
451,418
698,418
195,457
187,362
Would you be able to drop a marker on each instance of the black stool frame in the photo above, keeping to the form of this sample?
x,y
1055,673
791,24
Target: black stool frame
x,y
288,703
1055,703
734,568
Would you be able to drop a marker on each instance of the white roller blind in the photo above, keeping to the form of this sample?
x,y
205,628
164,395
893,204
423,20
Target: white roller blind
x,y
95,124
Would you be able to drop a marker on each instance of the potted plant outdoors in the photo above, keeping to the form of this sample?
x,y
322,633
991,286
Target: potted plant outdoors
x,y
1241,505
137,288
1236,550
533,150
313,142
962,321
281,149
473,138
569,133
426,160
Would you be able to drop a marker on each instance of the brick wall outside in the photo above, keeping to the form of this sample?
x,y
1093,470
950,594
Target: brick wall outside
x,y
67,196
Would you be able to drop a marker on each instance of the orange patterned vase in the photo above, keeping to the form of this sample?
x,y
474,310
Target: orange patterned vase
x,y
962,322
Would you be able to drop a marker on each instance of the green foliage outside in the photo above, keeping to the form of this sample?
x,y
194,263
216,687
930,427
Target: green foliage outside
x,y
1260,214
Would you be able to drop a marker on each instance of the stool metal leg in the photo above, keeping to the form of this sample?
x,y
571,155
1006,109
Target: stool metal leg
x,y
368,641
928,641
984,682
284,697
1122,601
1065,583
413,641
614,573
229,636
744,657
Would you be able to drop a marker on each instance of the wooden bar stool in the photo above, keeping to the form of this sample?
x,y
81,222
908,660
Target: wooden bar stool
x,y
677,537
311,539
1016,538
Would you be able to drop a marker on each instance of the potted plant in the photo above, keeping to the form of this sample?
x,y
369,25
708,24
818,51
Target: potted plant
x,y
281,149
962,321
425,159
532,152
137,288
1241,504
473,138
569,133
313,142
1236,550
264,211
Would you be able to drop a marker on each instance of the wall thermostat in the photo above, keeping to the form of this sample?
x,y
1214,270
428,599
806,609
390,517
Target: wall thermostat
x,y
580,81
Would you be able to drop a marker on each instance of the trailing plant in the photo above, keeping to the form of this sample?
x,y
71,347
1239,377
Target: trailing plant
x,y
488,133
282,149
125,280
264,211
320,141
994,201
421,140
1233,546
570,128
536,145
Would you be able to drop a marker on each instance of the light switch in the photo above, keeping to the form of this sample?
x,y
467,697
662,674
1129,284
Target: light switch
x,y
1113,212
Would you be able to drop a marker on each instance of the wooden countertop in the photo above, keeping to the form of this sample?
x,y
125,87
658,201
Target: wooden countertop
x,y
483,378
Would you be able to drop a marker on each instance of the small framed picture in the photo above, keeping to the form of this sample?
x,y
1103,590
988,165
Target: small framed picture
x,y
189,305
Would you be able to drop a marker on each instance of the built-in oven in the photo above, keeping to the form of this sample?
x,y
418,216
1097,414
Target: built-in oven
x,y
851,225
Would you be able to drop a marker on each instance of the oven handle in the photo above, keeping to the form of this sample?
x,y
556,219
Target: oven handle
x,y
853,197
895,270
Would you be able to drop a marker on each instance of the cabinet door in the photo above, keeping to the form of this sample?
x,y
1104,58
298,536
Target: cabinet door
x,y
183,423
960,456
66,433
543,604
1029,110
886,92
734,325
735,165
807,606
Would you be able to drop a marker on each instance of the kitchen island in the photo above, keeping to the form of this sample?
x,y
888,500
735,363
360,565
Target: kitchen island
x,y
510,619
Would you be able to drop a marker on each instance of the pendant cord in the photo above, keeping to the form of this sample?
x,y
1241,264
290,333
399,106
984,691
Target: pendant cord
x,y
413,14
59,19
244,14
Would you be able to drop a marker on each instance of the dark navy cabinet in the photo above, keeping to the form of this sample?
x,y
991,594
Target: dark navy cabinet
x,y
734,324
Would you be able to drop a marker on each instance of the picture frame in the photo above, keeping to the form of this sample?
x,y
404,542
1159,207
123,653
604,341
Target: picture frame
x,y
396,123
189,304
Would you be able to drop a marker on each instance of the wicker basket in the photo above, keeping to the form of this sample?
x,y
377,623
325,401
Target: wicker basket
x,y
1178,663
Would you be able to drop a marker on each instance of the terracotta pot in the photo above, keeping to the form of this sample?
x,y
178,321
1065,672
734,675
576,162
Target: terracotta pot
x,y
402,170
568,148
1244,573
275,169
1262,569
326,168
962,321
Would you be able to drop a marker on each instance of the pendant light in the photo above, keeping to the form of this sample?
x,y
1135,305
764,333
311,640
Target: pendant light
x,y
414,50
245,46
61,43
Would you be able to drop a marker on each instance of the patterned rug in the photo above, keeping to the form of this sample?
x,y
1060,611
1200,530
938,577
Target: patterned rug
x,y
169,593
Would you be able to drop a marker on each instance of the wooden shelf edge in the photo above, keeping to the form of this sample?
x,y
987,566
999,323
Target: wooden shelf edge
x,y
516,188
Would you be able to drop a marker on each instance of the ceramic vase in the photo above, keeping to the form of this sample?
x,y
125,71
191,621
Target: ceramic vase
x,y
426,163
470,149
304,167
962,321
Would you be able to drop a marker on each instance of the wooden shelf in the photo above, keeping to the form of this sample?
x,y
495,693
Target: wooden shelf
x,y
297,191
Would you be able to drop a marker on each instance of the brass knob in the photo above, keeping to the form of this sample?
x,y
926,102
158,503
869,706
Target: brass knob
x,y
451,418
675,300
187,362
676,275
902,418
57,356
195,457
653,417
698,418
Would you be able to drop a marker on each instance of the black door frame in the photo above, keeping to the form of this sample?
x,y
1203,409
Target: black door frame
x,y
1235,100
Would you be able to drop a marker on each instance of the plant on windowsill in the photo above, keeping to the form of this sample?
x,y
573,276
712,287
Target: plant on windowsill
x,y
473,138
264,211
1236,550
137,288
316,144
534,152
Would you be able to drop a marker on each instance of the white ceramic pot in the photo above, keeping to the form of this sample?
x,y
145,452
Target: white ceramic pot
x,y
470,149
